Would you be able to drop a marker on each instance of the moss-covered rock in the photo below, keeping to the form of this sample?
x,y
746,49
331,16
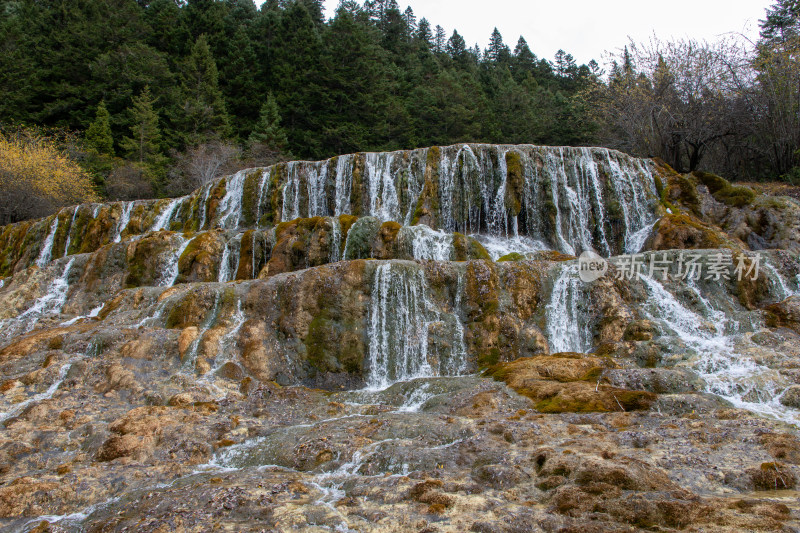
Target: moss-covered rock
x,y
569,383
683,231
427,209
200,261
514,182
145,258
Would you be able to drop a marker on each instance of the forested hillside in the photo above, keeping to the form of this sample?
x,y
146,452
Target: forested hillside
x,y
153,98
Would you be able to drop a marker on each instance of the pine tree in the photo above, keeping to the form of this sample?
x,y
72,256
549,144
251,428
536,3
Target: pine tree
x,y
782,22
456,46
268,130
440,40
203,108
411,20
144,142
497,52
424,32
98,135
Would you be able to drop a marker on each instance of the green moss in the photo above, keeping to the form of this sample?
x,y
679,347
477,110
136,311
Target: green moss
x,y
278,174
346,221
513,256
250,192
724,192
736,196
514,182
428,202
559,404
388,232
490,359
712,181
198,250
477,251
361,237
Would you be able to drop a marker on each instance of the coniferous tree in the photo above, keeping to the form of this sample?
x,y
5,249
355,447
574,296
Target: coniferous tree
x,y
456,47
144,143
202,114
268,130
424,32
98,135
782,22
497,52
440,40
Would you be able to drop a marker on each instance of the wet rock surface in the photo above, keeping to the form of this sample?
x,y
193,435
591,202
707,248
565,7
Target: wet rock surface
x,y
285,350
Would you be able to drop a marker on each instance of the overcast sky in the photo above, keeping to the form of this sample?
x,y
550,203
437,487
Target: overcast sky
x,y
586,28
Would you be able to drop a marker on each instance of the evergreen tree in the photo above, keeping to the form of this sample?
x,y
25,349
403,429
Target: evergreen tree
x,y
295,69
144,143
782,22
440,40
203,114
98,135
456,46
411,20
268,130
424,32
497,52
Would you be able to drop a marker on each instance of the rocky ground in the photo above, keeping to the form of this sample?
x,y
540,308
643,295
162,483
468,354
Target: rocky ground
x,y
150,383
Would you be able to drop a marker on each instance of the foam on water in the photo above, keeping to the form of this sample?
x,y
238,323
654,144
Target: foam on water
x,y
734,376
568,327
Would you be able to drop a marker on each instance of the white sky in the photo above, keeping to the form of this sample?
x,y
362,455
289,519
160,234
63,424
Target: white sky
x,y
586,28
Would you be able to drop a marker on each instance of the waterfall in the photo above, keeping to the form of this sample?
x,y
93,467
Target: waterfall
x,y
734,376
401,318
778,283
567,324
70,230
51,390
47,248
497,247
171,268
204,202
127,207
165,217
291,193
384,203
316,177
336,240
230,208
427,243
229,263
51,302
263,188
632,194
343,185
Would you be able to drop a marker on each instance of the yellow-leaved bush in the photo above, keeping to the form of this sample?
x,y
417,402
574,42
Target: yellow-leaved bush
x,y
37,177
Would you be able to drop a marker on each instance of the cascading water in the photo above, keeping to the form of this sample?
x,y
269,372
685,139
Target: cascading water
x,y
51,302
127,208
47,248
568,328
400,329
69,231
427,243
230,259
383,200
732,375
231,205
171,269
164,219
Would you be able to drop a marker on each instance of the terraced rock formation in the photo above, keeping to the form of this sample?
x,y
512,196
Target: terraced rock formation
x,y
402,342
